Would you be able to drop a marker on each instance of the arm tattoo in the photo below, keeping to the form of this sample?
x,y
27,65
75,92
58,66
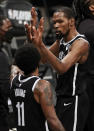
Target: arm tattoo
x,y
48,93
48,96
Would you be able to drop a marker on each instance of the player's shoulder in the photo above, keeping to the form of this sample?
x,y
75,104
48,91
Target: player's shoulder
x,y
81,41
42,85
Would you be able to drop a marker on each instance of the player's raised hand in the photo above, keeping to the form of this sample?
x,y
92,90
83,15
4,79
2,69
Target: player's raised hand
x,y
34,17
34,31
34,22
38,33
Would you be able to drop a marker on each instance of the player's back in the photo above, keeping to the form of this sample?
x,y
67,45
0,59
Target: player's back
x,y
28,112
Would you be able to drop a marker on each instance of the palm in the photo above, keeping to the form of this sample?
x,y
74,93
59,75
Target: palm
x,y
35,34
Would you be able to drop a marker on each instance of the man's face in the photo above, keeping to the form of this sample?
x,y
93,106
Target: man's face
x,y
4,28
91,6
61,24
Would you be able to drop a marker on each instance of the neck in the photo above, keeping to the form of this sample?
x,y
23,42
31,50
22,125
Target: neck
x,y
70,35
35,73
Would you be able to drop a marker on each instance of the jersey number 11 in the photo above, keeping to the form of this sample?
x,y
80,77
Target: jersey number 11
x,y
20,108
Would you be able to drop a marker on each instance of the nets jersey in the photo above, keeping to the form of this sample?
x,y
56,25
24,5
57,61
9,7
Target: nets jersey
x,y
28,113
73,81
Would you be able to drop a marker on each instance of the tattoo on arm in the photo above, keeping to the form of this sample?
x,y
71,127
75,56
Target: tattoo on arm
x,y
48,96
47,91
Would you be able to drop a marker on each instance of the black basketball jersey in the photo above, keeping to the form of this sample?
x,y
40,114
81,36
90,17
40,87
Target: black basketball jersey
x,y
73,81
28,113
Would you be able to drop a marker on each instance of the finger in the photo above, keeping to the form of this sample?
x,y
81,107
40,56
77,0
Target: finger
x,y
41,25
32,22
34,33
34,17
28,32
33,12
8,22
26,29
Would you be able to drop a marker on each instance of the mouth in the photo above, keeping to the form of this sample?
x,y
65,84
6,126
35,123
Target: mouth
x,y
59,35
58,32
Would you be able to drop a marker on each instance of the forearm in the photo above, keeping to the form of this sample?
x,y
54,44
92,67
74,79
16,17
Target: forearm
x,y
52,59
43,58
55,125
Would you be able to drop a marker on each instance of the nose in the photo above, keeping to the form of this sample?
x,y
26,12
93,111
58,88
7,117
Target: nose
x,y
56,25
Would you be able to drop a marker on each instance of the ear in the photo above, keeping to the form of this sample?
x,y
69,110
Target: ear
x,y
72,22
91,7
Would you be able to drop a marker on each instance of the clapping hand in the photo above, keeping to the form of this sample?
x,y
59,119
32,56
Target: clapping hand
x,y
34,31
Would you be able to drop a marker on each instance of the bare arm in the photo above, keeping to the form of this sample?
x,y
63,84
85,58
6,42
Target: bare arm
x,y
54,49
77,53
44,96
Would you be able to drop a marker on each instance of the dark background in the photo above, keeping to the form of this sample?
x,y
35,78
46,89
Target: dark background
x,y
51,2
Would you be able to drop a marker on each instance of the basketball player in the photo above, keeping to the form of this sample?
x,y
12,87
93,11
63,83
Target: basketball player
x,y
31,96
68,56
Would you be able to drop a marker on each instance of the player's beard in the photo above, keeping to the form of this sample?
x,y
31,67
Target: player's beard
x,y
60,35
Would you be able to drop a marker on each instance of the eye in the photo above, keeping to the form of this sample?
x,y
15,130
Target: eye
x,y
60,21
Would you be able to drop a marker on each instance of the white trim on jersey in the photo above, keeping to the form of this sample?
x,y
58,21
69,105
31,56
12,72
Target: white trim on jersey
x,y
75,114
46,125
74,78
74,38
84,40
35,84
65,43
25,80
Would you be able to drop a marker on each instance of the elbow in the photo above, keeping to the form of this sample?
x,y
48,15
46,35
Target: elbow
x,y
61,67
61,70
55,124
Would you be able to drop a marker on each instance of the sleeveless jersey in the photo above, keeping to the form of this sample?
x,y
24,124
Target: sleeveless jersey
x,y
73,81
28,113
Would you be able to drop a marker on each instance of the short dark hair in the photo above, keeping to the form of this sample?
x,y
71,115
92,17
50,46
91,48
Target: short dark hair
x,y
27,58
68,12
